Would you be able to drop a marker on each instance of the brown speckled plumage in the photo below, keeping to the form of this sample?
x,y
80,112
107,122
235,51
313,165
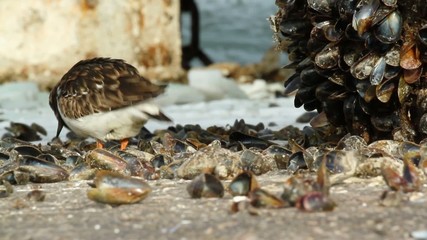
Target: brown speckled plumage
x,y
100,85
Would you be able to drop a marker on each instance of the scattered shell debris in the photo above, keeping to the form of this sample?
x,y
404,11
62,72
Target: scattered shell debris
x,y
221,162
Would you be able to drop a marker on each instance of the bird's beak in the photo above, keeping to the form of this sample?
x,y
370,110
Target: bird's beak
x,y
59,129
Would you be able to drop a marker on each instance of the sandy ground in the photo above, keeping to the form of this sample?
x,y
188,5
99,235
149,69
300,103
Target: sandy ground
x,y
169,213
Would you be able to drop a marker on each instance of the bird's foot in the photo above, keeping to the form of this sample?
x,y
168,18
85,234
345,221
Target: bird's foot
x,y
124,143
99,144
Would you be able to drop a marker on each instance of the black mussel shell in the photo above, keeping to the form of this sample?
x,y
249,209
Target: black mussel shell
x,y
205,186
243,183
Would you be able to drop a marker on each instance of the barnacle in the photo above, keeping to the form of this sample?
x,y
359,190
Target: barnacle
x,y
360,63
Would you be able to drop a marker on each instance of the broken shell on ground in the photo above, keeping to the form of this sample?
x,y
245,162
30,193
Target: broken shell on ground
x,y
82,172
16,177
340,164
158,160
195,143
295,187
134,165
5,189
409,181
41,171
36,195
238,139
103,159
25,132
29,150
338,161
298,187
392,178
242,203
243,183
114,188
315,201
280,155
392,198
296,162
262,198
206,186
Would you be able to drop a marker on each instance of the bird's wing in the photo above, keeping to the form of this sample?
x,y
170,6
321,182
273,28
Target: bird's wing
x,y
101,85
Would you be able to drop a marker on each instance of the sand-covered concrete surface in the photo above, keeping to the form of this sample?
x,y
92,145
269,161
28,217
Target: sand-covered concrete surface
x,y
169,213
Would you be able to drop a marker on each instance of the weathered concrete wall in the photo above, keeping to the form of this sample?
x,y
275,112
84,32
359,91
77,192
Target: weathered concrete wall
x,y
41,39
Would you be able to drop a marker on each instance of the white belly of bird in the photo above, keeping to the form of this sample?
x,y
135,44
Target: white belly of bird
x,y
114,125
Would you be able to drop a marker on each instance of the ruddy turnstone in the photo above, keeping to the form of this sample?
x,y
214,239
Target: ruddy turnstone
x,y
105,99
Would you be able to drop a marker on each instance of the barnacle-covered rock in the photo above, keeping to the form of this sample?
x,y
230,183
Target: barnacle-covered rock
x,y
256,162
208,158
103,159
360,63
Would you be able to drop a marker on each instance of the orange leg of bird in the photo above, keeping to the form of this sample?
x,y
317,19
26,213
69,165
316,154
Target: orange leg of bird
x,y
124,143
99,144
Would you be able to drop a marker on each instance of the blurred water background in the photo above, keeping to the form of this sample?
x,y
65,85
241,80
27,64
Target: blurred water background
x,y
233,30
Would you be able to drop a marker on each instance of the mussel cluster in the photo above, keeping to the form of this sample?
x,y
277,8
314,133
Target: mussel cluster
x,y
362,64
